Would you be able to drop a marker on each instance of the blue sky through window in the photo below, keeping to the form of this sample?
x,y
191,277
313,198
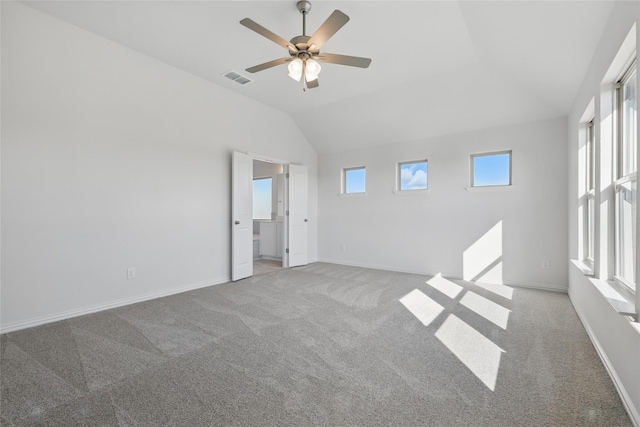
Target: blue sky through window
x,y
262,198
492,169
355,180
413,176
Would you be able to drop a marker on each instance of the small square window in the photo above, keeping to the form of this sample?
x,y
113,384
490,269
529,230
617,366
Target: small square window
x,y
353,180
491,169
412,175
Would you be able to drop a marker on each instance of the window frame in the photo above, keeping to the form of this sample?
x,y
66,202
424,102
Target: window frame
x,y
622,179
344,179
627,179
589,211
399,174
472,157
624,78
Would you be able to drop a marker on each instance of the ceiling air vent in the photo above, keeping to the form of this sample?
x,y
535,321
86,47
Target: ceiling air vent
x,y
238,78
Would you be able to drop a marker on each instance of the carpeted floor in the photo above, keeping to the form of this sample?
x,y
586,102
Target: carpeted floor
x,y
318,345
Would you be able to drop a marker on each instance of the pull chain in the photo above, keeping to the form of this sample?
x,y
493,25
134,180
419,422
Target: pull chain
x,y
304,77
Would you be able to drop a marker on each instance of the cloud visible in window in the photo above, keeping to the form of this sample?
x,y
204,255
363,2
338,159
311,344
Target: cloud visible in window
x,y
413,177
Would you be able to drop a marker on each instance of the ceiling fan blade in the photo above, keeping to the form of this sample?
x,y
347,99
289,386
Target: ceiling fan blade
x,y
352,61
312,84
334,22
269,64
252,25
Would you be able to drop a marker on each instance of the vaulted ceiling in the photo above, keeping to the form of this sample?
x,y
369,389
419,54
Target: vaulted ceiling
x,y
438,67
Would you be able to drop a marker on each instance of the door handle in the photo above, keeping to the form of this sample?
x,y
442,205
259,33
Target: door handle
x,y
237,223
306,220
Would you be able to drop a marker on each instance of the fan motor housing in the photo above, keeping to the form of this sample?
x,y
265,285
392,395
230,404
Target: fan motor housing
x,y
300,42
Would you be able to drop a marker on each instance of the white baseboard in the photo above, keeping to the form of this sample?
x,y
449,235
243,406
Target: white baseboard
x,y
377,267
632,411
36,321
23,324
540,286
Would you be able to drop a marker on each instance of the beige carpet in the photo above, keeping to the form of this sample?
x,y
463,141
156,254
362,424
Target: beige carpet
x,y
319,345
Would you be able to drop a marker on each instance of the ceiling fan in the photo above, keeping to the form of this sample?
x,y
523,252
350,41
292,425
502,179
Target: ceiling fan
x,y
304,51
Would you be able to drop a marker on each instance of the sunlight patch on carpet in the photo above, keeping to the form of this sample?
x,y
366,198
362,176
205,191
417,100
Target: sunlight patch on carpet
x,y
420,305
477,352
445,286
495,313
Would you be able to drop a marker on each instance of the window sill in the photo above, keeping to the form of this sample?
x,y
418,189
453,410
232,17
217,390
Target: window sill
x,y
616,294
411,192
490,189
351,194
583,267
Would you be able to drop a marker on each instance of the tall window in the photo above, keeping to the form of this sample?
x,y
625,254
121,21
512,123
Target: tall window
x,y
262,198
412,175
354,180
491,169
626,184
591,194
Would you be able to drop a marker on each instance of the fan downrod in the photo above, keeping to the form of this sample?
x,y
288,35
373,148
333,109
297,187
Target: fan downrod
x,y
304,7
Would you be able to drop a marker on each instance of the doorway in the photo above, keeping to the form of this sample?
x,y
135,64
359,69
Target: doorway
x,y
268,216
289,244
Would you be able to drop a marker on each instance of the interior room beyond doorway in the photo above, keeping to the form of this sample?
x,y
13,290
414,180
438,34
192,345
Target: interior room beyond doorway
x,y
268,212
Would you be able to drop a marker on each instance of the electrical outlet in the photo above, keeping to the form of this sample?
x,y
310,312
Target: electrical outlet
x,y
131,273
544,264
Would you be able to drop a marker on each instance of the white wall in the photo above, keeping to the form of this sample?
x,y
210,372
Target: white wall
x,y
613,334
110,160
429,232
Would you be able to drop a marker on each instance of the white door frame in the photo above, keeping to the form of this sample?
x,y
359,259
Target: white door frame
x,y
285,217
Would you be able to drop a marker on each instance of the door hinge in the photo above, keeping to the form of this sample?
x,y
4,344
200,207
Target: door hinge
x,y
287,250
287,213
287,174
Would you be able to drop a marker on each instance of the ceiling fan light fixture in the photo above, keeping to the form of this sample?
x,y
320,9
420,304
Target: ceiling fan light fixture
x,y
295,69
312,69
303,48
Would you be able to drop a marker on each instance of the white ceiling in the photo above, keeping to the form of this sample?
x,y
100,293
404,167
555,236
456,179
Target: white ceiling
x,y
438,67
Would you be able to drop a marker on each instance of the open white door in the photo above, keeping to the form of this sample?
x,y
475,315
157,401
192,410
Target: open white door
x,y
298,222
241,216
